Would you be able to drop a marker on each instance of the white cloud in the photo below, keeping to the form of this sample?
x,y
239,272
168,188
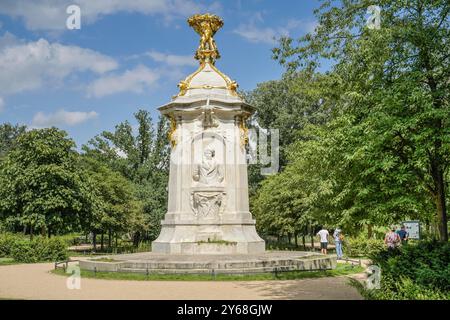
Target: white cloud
x,y
135,80
255,33
51,15
171,59
120,153
8,40
62,117
2,104
28,66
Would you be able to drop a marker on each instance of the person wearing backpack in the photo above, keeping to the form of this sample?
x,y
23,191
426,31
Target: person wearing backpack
x,y
392,239
338,238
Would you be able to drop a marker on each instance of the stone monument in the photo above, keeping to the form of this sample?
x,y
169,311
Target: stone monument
x,y
208,228
208,209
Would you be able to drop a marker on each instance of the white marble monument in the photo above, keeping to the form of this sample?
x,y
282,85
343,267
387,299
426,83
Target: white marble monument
x,y
208,210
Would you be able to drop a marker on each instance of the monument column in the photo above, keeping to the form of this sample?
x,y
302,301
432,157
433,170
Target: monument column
x,y
208,210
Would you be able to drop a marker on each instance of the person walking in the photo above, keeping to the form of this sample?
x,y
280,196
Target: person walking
x,y
403,234
323,234
338,238
392,239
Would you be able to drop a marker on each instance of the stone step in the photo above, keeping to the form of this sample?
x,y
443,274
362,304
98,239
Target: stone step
x,y
210,271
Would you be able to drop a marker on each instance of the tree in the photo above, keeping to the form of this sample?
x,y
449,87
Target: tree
x,y
8,135
289,105
393,112
141,158
119,209
40,187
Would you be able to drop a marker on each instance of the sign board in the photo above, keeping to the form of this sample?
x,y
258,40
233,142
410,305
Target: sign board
x,y
413,229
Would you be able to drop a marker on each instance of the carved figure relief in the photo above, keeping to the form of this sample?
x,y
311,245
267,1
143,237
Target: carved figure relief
x,y
209,119
206,203
209,172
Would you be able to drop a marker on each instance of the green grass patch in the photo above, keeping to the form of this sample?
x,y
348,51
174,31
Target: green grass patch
x,y
7,261
105,260
341,270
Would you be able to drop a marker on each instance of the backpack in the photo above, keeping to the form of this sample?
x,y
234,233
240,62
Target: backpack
x,y
393,238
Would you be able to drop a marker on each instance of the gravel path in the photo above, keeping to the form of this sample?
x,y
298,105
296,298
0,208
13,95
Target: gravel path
x,y
34,281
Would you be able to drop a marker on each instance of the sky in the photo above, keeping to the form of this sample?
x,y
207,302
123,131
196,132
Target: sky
x,y
127,55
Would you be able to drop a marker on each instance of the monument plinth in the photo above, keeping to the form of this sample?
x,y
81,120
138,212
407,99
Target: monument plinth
x,y
208,210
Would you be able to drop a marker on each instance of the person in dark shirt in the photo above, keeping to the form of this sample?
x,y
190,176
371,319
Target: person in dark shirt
x,y
403,235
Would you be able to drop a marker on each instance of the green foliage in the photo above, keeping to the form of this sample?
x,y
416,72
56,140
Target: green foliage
x,y
143,159
415,271
384,155
119,210
362,246
39,249
40,187
8,136
426,263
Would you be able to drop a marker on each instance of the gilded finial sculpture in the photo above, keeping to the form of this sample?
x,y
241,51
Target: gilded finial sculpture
x,y
206,25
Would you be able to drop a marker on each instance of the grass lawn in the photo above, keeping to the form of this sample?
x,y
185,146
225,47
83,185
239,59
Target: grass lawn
x,y
341,269
7,261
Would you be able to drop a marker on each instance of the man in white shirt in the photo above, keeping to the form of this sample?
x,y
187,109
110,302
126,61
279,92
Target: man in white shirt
x,y
323,234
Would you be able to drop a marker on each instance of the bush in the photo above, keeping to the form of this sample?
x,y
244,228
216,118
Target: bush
x,y
414,271
362,247
21,249
6,239
72,239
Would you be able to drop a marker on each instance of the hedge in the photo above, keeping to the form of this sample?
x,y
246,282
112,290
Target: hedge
x,y
40,249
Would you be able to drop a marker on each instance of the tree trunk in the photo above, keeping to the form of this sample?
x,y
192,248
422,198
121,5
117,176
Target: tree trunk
x,y
296,240
94,240
102,238
136,239
441,207
312,239
369,231
304,242
109,238
289,238
439,196
31,232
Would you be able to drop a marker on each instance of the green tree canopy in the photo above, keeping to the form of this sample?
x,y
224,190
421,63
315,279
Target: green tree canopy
x,y
40,187
391,120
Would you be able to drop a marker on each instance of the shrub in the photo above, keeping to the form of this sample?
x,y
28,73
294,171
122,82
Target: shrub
x,y
21,249
414,271
6,239
360,246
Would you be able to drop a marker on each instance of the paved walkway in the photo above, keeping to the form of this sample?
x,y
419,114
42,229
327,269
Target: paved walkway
x,y
34,281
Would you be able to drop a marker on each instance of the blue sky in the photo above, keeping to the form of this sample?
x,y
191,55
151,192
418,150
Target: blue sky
x,y
127,55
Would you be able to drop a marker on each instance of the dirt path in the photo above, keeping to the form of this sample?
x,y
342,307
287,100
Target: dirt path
x,y
34,281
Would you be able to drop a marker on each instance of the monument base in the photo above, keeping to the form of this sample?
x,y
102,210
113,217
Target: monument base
x,y
270,261
208,239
